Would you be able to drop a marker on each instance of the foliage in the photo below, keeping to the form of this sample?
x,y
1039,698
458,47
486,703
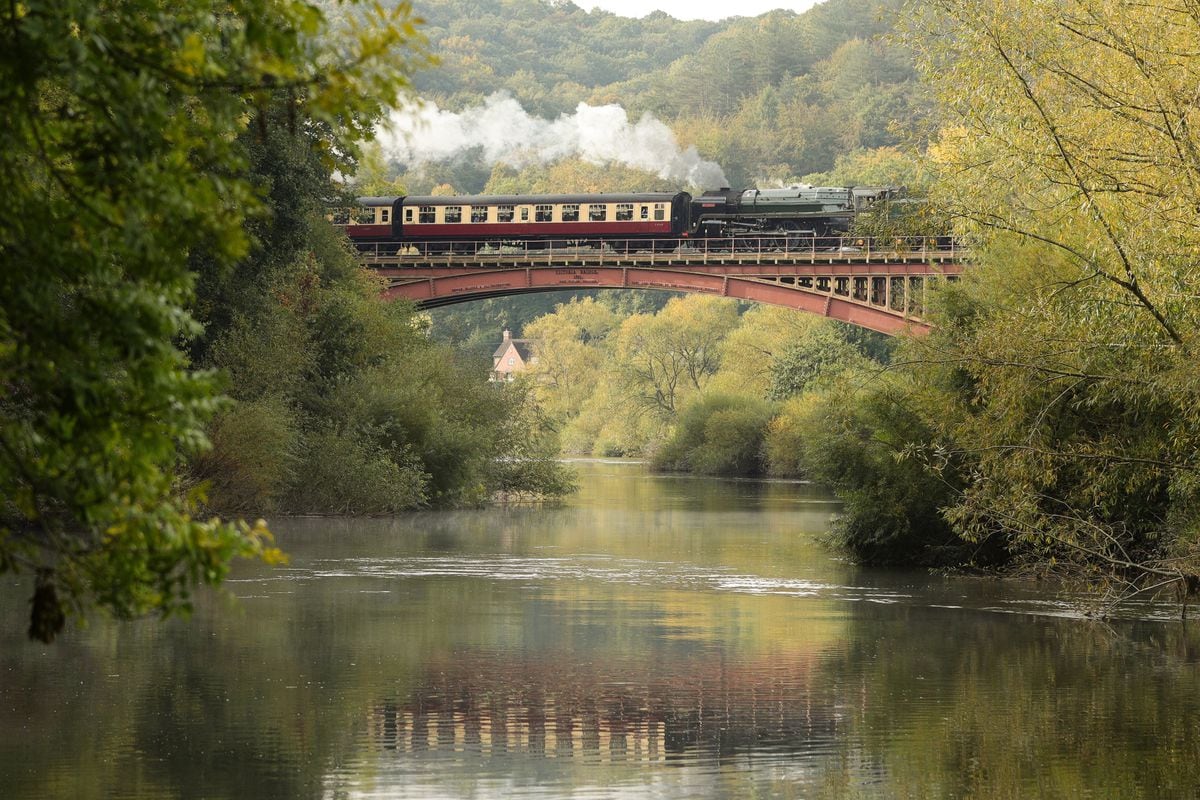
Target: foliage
x,y
749,353
126,126
881,166
661,359
1069,154
530,467
822,354
855,437
546,54
718,435
569,358
621,383
254,451
380,419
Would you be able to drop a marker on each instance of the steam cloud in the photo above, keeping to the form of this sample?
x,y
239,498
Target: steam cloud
x,y
507,134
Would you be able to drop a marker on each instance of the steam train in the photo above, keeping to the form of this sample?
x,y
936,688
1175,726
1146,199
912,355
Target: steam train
x,y
767,217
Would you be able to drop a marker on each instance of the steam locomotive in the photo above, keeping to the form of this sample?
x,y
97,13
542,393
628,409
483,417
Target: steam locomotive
x,y
768,217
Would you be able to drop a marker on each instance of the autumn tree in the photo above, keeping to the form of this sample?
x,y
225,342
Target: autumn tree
x,y
570,355
661,358
1071,155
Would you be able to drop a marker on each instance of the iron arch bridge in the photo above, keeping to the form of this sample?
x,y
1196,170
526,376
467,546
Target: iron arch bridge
x,y
858,281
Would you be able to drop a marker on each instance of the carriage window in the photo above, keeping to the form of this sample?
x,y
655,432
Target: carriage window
x,y
543,214
408,215
660,211
453,214
597,213
645,212
570,213
525,214
479,213
428,214
624,211
383,215
505,213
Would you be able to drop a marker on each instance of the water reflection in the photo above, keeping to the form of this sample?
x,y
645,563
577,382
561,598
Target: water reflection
x,y
657,637
490,704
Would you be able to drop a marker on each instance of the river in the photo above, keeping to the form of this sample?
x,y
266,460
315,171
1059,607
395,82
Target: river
x,y
656,636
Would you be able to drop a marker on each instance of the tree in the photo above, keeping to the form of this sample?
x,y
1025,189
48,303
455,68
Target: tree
x,y
124,152
664,357
1071,155
570,359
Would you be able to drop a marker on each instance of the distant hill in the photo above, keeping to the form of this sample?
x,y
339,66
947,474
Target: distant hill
x,y
770,98
550,55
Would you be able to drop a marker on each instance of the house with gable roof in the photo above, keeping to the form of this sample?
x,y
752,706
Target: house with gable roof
x,y
512,356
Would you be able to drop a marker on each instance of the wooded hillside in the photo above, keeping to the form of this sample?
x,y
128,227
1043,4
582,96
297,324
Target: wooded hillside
x,y
770,98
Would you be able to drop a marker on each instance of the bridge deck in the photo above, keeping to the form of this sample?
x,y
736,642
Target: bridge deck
x,y
684,254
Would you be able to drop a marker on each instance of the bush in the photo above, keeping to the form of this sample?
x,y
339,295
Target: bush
x,y
786,436
252,457
864,439
346,473
718,435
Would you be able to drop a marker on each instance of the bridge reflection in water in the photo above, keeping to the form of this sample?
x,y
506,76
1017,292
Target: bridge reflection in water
x,y
881,286
479,707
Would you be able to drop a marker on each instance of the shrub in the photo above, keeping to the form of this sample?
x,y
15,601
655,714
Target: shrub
x,y
718,435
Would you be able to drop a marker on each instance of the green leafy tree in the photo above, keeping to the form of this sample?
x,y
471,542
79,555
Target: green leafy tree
x,y
857,436
124,151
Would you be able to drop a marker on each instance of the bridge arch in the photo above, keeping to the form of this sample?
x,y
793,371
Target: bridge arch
x,y
863,295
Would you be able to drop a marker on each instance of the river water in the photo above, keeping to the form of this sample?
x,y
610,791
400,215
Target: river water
x,y
654,637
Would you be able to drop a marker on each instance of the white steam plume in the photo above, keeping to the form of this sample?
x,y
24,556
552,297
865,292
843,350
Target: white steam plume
x,y
507,134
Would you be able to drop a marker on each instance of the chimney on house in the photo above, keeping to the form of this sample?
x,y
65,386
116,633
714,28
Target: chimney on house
x,y
507,334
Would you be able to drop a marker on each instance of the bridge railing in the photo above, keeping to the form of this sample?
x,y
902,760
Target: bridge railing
x,y
741,249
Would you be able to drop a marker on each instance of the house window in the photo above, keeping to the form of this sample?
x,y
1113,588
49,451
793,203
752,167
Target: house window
x,y
543,214
427,215
645,212
505,213
624,211
570,212
660,211
597,213
479,213
511,361
453,214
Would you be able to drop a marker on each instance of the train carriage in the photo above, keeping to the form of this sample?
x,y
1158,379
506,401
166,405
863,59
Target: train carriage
x,y
547,219
372,220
